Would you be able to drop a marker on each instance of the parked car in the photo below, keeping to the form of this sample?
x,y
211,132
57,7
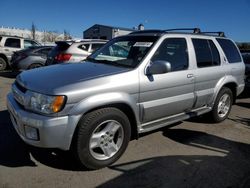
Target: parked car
x,y
246,58
30,58
94,108
11,44
73,51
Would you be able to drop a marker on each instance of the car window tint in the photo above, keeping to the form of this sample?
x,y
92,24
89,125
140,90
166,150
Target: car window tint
x,y
215,53
13,43
206,53
230,50
96,46
43,51
174,51
84,47
29,43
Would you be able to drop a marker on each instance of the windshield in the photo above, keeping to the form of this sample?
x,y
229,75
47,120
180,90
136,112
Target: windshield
x,y
127,51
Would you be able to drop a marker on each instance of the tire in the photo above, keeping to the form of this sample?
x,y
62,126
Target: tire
x,y
34,66
3,64
102,137
222,105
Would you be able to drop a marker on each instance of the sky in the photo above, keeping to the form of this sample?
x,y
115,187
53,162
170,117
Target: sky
x,y
75,16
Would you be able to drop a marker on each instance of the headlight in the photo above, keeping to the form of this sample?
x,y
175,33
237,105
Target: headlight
x,y
45,104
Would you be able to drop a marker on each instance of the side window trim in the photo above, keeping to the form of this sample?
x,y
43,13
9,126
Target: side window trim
x,y
227,55
212,55
9,46
186,53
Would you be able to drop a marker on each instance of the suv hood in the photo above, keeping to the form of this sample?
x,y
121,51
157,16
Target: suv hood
x,y
46,79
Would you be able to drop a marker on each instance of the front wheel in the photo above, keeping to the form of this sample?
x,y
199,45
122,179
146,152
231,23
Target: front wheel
x,y
223,104
102,137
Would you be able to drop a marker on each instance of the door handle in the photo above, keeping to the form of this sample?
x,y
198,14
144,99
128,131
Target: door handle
x,y
190,76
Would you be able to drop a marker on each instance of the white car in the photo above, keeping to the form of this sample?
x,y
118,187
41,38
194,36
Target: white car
x,y
73,51
11,44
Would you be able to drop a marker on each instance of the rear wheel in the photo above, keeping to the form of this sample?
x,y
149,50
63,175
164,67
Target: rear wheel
x,y
102,137
223,104
34,66
3,64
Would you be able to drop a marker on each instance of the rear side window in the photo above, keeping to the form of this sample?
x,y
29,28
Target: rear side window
x,y
13,43
230,50
84,47
206,53
0,39
44,51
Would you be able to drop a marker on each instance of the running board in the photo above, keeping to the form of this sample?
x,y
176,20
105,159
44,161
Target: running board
x,y
159,123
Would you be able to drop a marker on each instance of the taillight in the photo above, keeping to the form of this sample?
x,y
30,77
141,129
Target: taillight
x,y
63,57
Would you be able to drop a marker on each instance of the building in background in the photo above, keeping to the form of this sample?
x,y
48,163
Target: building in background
x,y
44,37
107,32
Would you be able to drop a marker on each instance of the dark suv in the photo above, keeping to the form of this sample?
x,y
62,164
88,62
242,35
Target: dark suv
x,y
11,44
246,58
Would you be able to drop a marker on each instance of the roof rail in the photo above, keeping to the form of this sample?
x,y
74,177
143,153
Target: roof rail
x,y
219,33
147,31
195,30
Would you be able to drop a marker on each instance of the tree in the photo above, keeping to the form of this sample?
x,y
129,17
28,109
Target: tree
x,y
66,35
33,31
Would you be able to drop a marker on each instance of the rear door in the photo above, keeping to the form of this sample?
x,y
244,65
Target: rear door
x,y
208,72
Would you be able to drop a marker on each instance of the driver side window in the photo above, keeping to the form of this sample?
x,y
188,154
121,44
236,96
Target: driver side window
x,y
174,51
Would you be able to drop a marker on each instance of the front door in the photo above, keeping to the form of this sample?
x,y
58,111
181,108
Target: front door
x,y
164,95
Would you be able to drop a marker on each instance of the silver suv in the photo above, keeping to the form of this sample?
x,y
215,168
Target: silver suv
x,y
73,51
134,84
11,44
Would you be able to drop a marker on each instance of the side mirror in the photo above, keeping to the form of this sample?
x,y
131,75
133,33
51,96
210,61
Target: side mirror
x,y
158,67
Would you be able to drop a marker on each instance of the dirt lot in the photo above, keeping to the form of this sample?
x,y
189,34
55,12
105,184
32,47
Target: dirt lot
x,y
192,153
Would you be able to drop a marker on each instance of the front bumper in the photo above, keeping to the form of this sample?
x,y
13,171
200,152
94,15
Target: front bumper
x,y
54,132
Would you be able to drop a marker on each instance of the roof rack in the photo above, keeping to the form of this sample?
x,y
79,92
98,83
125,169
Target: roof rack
x,y
195,30
147,31
219,33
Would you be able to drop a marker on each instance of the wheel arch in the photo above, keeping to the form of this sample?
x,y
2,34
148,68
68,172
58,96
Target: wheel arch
x,y
5,58
122,106
35,63
229,82
233,87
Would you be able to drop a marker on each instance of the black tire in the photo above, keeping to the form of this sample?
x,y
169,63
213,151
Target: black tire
x,y
3,64
34,66
92,123
217,116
